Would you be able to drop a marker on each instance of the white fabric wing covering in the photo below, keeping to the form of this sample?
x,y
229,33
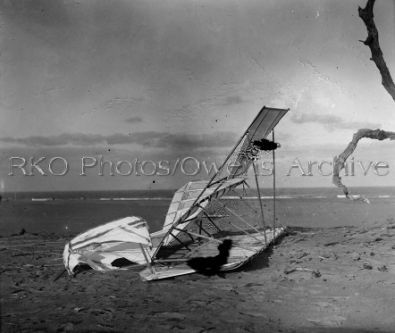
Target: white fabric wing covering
x,y
98,247
263,124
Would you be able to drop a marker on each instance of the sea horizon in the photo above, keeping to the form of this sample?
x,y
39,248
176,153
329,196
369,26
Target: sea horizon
x,y
152,194
71,212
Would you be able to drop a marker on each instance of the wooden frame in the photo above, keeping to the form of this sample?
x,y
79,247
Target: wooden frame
x,y
245,246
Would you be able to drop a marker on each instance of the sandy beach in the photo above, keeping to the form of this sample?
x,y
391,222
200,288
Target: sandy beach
x,y
336,279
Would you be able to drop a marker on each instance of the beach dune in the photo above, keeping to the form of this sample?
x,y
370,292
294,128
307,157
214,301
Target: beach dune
x,y
313,280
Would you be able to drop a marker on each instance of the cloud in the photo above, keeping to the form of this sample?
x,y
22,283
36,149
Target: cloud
x,y
331,122
210,103
150,139
118,104
133,120
233,100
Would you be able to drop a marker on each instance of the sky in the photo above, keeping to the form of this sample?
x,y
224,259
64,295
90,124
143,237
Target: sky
x,y
162,81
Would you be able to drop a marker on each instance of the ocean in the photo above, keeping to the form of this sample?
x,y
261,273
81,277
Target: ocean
x,y
69,213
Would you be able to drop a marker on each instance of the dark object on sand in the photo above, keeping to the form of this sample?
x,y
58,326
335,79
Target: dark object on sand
x,y
212,265
20,233
264,144
383,268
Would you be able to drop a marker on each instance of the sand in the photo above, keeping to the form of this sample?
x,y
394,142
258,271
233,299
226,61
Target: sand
x,y
313,280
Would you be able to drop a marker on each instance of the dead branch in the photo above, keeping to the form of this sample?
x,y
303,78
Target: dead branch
x,y
339,161
372,41
366,14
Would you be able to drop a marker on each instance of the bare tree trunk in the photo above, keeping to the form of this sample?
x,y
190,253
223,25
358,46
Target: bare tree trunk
x,y
366,14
